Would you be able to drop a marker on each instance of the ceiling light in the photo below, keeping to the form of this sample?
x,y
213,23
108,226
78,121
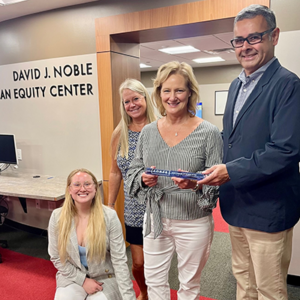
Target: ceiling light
x,y
144,66
178,50
208,60
6,2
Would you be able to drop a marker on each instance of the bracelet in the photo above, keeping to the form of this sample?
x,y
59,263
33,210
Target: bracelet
x,y
112,204
196,188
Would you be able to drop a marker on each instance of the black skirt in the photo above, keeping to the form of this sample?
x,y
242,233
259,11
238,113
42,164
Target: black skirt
x,y
134,235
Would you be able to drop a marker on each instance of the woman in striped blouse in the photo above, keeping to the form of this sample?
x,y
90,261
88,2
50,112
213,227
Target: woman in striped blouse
x,y
179,212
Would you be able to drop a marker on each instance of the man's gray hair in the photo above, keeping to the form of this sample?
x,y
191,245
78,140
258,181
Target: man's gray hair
x,y
255,10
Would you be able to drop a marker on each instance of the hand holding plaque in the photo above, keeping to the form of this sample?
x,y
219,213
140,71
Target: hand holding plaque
x,y
179,174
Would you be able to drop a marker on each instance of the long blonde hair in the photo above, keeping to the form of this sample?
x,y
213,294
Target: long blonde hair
x,y
121,131
96,229
185,70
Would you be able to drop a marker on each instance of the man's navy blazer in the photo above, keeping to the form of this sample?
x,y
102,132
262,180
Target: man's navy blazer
x,y
261,152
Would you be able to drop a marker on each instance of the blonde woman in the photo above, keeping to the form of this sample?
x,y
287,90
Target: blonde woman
x,y
179,212
86,245
136,111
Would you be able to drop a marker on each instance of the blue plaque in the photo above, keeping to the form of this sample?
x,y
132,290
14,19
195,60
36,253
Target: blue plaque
x,y
178,174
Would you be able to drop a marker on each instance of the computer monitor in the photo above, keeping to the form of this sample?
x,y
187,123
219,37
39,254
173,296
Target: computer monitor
x,y
8,149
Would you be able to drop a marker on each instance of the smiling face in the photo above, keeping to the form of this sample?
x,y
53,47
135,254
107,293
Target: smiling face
x,y
252,57
175,94
82,189
134,104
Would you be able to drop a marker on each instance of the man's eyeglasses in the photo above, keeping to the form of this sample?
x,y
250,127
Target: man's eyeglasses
x,y
252,39
87,185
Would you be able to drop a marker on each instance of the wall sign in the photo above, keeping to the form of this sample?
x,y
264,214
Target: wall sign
x,y
55,78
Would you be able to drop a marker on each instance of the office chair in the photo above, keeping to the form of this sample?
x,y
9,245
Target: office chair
x,y
3,214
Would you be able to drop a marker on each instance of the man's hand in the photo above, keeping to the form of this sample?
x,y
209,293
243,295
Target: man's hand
x,y
92,286
218,175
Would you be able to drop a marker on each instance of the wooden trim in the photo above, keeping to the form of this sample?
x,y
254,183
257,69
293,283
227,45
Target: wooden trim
x,y
106,108
182,14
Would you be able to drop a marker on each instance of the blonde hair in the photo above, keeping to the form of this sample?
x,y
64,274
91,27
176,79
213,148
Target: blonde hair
x,y
96,228
171,68
121,130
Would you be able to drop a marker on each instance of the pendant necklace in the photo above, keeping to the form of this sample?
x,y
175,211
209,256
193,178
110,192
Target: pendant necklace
x,y
176,133
180,126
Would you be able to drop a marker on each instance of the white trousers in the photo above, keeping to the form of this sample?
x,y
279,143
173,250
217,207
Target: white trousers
x,y
76,292
191,240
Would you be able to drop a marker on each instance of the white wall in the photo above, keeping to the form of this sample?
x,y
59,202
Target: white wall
x,y
56,134
207,97
287,51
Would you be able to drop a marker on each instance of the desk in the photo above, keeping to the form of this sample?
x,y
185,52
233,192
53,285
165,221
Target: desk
x,y
32,199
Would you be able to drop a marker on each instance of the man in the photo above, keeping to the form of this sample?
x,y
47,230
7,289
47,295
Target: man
x,y
259,178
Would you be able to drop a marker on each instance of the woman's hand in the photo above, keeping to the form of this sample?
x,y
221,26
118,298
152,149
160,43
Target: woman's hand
x,y
92,286
149,180
185,184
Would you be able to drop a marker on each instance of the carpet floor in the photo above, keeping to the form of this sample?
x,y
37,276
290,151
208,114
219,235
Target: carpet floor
x,y
25,277
217,281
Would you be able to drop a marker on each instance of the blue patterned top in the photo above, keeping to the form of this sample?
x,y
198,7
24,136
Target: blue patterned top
x,y
133,210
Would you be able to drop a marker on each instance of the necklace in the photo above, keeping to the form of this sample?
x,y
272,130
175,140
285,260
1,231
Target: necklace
x,y
180,126
176,132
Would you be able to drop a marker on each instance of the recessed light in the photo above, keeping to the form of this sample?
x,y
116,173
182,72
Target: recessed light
x,y
6,2
144,66
208,60
178,50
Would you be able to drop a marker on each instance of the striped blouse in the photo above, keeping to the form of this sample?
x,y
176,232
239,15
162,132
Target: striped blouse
x,y
200,150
